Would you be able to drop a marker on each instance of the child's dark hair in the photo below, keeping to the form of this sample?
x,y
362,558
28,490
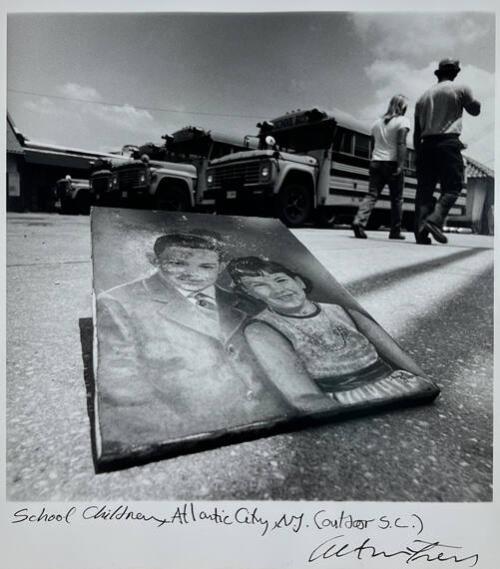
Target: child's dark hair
x,y
194,240
256,267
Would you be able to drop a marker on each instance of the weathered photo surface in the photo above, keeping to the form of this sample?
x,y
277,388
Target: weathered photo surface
x,y
211,327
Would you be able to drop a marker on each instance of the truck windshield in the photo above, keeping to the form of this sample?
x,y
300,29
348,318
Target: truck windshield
x,y
195,142
300,131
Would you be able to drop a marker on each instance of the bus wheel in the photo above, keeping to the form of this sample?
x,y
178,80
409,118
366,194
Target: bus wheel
x,y
325,217
172,198
294,204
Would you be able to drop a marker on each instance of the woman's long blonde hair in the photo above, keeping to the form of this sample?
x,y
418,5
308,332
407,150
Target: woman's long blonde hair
x,y
397,107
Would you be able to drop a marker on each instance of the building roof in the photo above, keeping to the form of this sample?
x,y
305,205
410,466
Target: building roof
x,y
15,139
475,169
63,156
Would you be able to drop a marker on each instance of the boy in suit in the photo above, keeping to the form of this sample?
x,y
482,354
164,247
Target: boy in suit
x,y
173,362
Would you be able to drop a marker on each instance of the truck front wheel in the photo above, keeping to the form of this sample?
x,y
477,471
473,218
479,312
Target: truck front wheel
x,y
172,198
294,204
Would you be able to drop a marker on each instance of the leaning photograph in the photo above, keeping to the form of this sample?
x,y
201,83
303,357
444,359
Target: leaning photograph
x,y
250,256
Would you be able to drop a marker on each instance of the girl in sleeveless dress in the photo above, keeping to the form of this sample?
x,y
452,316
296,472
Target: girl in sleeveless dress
x,y
309,348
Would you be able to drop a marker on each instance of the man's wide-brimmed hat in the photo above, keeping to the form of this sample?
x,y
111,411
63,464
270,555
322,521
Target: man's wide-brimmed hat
x,y
446,64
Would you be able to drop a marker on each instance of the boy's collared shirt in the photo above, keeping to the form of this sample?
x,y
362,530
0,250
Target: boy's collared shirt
x,y
205,301
191,296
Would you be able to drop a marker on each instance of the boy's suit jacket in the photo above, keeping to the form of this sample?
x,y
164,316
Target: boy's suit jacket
x,y
166,371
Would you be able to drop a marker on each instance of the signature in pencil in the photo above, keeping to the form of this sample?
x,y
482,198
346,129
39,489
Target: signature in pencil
x,y
419,549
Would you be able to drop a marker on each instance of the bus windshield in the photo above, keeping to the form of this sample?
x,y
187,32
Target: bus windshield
x,y
194,142
300,131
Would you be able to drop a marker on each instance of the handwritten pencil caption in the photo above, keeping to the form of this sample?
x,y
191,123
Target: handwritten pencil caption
x,y
344,534
190,513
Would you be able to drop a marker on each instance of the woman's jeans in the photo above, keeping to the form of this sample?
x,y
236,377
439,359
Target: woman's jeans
x,y
382,173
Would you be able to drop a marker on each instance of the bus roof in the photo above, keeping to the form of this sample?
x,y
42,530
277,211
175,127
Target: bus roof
x,y
319,115
343,119
346,120
190,133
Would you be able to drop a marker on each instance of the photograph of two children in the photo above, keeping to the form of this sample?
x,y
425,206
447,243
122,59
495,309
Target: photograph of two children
x,y
210,326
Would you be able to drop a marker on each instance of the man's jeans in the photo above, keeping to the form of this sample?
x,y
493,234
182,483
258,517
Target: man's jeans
x,y
382,173
439,160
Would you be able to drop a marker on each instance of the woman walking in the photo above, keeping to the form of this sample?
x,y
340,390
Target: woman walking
x,y
386,167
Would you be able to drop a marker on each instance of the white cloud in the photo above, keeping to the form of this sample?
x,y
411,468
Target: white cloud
x,y
76,91
43,106
397,76
126,117
401,35
104,123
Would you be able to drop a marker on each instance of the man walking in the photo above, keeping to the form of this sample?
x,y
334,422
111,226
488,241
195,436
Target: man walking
x,y
438,125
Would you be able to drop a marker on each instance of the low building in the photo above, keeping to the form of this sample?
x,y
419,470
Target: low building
x,y
480,197
33,169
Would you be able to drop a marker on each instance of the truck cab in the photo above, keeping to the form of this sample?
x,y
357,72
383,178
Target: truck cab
x,y
159,185
140,181
197,146
102,173
288,175
100,181
73,195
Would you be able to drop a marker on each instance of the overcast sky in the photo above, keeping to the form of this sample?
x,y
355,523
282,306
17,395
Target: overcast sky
x,y
160,72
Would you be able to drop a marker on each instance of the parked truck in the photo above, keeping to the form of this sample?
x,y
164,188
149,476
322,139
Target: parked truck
x,y
73,195
198,146
140,181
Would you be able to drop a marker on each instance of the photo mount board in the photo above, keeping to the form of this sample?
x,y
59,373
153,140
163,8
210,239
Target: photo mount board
x,y
288,346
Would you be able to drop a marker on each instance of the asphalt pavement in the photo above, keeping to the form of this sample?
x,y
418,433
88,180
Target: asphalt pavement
x,y
437,301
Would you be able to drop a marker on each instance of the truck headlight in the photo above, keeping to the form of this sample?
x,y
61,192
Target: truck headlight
x,y
142,178
114,182
265,172
210,179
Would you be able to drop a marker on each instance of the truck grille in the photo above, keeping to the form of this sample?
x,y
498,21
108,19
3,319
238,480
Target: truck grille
x,y
129,178
100,184
243,173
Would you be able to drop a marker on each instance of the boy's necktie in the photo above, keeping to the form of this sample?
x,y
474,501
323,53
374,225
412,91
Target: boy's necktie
x,y
207,304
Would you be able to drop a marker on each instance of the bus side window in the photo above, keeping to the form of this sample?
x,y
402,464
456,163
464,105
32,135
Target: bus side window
x,y
410,160
346,142
362,146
